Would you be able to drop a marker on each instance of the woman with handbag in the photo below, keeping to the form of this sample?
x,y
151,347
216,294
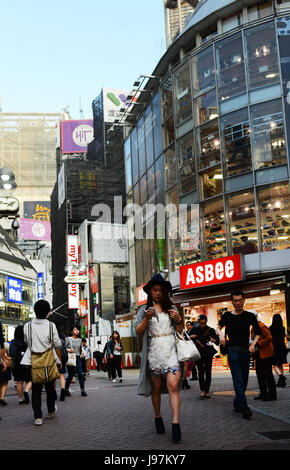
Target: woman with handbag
x,y
74,348
160,371
204,337
115,348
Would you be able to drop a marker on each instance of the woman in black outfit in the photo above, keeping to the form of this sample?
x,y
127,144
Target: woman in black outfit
x,y
204,337
280,350
115,348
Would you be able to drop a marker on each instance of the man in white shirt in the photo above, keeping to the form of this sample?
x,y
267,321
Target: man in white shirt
x,y
40,334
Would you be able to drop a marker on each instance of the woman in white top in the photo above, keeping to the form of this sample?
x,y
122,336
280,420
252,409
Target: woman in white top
x,y
157,323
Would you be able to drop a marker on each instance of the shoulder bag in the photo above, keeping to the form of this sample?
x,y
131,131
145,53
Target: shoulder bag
x,y
186,350
43,366
72,358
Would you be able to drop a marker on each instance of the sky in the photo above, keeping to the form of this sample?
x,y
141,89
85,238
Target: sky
x,y
61,53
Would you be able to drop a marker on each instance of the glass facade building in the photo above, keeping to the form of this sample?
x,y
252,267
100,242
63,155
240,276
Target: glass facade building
x,y
221,135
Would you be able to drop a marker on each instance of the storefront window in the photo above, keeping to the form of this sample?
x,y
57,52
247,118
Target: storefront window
x,y
168,132
182,94
203,71
231,71
135,159
213,230
236,142
127,147
190,239
187,170
242,221
261,47
167,99
149,136
170,167
211,183
156,106
205,107
268,134
208,145
274,209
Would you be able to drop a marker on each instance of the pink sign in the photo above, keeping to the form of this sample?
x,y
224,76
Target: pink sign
x,y
31,229
76,135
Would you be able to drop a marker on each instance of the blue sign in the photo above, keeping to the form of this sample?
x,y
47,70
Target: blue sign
x,y
14,290
40,292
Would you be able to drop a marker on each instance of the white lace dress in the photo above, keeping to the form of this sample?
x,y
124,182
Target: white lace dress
x,y
162,356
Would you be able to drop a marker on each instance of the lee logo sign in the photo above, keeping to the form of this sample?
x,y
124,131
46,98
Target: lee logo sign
x,y
207,273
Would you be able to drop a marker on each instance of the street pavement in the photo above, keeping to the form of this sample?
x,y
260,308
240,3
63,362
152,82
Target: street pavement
x,y
113,417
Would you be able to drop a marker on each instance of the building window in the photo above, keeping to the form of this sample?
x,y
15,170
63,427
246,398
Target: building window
x,y
187,170
211,183
156,106
274,209
242,222
205,107
262,57
141,145
232,22
127,148
168,132
208,145
213,230
190,240
151,185
182,87
139,263
135,159
231,70
170,167
236,145
159,180
148,127
268,134
167,99
203,71
143,190
175,254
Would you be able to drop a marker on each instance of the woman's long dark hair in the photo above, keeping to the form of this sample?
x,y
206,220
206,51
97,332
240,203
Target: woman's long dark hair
x,y
19,333
118,339
277,322
165,302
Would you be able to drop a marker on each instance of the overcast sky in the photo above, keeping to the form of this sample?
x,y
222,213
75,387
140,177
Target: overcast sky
x,y
62,52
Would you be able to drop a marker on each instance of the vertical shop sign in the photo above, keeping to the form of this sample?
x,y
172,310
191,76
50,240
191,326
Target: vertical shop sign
x,y
40,286
283,29
14,290
72,257
141,295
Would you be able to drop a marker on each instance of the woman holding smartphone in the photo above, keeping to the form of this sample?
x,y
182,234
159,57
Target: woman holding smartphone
x,y
160,371
115,348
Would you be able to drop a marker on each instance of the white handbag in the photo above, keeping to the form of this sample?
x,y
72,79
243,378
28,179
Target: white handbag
x,y
72,358
186,350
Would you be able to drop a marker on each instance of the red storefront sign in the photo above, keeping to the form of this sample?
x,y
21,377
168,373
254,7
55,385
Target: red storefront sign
x,y
208,273
141,296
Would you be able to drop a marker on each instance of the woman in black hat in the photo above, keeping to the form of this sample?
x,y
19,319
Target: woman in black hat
x,y
160,371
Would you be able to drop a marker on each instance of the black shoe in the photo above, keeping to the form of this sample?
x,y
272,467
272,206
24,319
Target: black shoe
x,y
176,433
281,381
62,394
26,398
67,393
260,397
185,385
160,429
83,393
247,413
270,398
3,402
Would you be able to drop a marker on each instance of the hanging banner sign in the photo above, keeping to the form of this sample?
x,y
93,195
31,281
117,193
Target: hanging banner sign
x,y
72,257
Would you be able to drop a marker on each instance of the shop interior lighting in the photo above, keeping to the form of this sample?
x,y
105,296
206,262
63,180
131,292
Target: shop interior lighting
x,y
274,291
218,177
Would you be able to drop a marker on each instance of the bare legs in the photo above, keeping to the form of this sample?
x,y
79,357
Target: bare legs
x,y
172,381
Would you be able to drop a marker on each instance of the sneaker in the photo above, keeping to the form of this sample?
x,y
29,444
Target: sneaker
x,y
83,393
114,381
26,398
52,414
38,422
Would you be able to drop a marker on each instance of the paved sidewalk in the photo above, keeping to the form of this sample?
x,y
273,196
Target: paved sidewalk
x,y
113,417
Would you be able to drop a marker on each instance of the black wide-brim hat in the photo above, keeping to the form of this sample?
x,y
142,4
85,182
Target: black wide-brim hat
x,y
157,279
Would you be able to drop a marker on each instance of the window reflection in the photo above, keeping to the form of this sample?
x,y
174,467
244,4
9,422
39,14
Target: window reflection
x,y
183,94
213,228
274,205
167,99
208,145
262,56
186,164
211,183
230,64
268,134
203,71
205,107
149,136
243,229
236,142
175,254
168,132
170,167
141,145
135,159
190,240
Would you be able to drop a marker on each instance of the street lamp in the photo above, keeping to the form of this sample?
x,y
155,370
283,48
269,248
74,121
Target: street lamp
x,y
7,179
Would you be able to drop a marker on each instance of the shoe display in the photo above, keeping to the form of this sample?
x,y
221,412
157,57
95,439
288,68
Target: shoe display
x,y
176,433
160,428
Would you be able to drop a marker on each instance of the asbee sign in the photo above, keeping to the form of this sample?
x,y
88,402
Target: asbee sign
x,y
208,273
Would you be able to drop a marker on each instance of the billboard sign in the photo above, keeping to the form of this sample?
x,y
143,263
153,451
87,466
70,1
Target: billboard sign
x,y
37,210
113,101
76,135
14,290
31,229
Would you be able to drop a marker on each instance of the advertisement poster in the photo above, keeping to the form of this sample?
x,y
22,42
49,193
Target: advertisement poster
x,y
31,229
76,135
113,101
37,210
14,290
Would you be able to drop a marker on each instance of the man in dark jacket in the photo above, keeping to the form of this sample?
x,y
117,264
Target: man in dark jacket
x,y
238,323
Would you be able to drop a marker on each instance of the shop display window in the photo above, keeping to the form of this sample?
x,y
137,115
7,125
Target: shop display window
x,y
231,68
148,127
262,56
235,133
135,159
182,85
187,176
274,209
211,183
168,132
170,167
208,145
242,223
268,138
205,107
167,99
203,71
213,230
156,107
190,237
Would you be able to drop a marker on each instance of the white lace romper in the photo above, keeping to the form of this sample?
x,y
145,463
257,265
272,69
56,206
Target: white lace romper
x,y
162,356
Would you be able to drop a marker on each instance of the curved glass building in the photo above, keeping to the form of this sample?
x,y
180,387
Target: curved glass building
x,y
214,137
